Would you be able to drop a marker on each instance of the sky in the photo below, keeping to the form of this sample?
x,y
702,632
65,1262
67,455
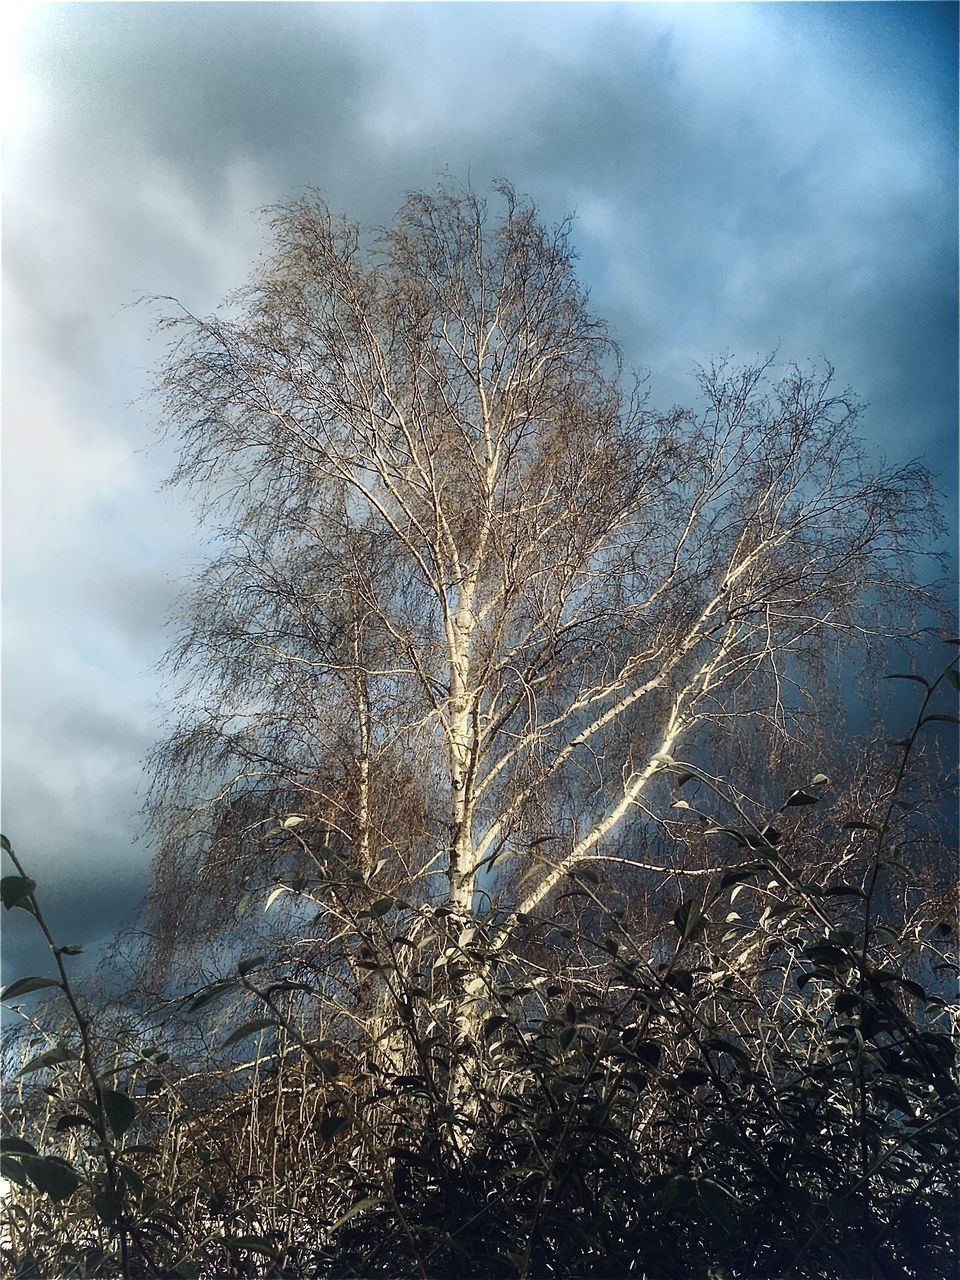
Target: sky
x,y
744,177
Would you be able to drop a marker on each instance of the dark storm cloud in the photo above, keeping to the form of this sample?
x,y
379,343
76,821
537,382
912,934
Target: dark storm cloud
x,y
84,909
743,176
68,789
764,187
195,85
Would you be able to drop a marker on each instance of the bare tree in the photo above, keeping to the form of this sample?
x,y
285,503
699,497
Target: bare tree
x,y
472,591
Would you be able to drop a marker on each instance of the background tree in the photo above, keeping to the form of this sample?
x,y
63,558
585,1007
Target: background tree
x,y
471,591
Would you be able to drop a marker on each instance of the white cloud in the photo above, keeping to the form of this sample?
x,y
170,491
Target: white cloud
x,y
62,472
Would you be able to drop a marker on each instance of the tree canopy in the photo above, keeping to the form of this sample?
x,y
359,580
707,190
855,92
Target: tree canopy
x,y
472,590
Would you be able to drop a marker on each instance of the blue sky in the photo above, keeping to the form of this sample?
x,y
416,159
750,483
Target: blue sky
x,y
743,176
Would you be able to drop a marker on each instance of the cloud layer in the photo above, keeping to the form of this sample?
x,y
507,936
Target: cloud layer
x,y
744,176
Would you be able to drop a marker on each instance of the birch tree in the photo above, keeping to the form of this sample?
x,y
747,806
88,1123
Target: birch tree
x,y
472,592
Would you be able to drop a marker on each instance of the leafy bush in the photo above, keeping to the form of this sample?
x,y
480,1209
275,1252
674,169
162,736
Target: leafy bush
x,y
761,1085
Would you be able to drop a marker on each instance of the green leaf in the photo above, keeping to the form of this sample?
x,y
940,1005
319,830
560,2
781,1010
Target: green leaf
x,y
120,1110
51,1176
49,1058
381,906
841,890
5,844
894,1097
289,984
678,1192
14,889
274,894
252,1244
331,1126
366,1203
718,1202
738,836
74,1121
13,1170
131,1179
800,797
213,992
25,985
248,963
825,954
247,1029
15,1145
888,935
953,675
108,1208
72,950
328,1066
681,980
415,1083
746,871
585,873
648,1052
915,679
768,837
689,919
946,719
90,1107
692,1078
720,1045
